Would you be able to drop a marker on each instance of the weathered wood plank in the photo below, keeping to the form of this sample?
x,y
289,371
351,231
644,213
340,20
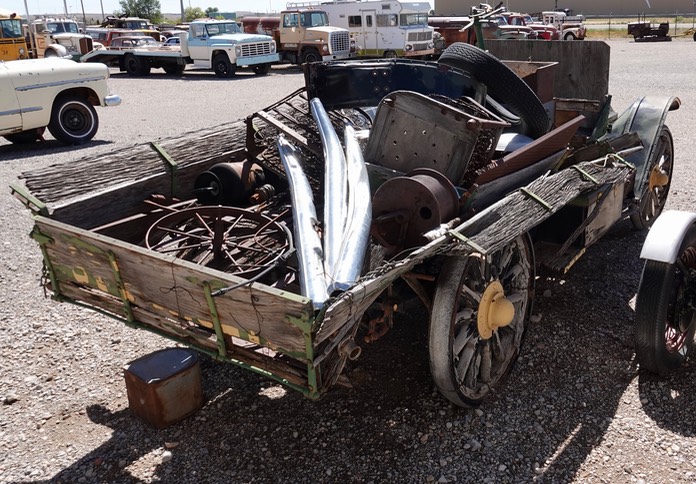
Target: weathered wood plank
x,y
93,191
173,288
583,67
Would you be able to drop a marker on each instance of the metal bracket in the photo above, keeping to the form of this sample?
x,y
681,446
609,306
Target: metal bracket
x,y
536,198
172,165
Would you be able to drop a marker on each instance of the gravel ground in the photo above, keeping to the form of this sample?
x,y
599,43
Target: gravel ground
x,y
575,408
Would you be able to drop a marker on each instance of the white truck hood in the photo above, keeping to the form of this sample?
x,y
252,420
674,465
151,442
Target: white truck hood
x,y
31,71
239,38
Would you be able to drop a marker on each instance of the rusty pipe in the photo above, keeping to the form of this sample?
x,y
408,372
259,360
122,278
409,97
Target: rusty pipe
x,y
356,236
307,240
335,185
349,349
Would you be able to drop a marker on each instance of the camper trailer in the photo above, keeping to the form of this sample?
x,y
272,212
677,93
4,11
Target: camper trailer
x,y
382,29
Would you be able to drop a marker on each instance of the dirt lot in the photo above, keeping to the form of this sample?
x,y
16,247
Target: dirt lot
x,y
575,408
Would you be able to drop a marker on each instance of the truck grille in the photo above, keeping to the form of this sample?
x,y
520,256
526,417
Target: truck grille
x,y
423,46
420,36
339,42
261,48
86,45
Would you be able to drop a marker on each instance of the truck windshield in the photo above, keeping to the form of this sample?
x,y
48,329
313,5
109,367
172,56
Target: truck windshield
x,y
414,19
223,28
60,27
136,24
11,29
314,19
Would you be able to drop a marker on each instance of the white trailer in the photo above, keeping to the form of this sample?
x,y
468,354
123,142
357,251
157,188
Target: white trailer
x,y
382,28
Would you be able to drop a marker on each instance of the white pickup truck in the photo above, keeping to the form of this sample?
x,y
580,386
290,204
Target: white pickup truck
x,y
56,93
213,44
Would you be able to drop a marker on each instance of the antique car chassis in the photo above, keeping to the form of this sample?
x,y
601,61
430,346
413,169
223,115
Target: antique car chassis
x,y
543,203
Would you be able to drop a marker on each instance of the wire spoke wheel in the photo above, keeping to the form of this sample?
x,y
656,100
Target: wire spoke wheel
x,y
229,239
480,311
665,315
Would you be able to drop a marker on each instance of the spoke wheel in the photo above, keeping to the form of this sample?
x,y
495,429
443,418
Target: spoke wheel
x,y
664,332
469,355
658,178
229,239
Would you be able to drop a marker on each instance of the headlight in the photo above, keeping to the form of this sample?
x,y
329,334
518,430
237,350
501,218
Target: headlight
x,y
237,51
408,47
325,49
273,47
431,45
22,51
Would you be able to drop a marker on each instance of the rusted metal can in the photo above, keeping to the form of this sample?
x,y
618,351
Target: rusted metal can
x,y
165,386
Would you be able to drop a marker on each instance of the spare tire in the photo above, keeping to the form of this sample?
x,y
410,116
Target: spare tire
x,y
502,84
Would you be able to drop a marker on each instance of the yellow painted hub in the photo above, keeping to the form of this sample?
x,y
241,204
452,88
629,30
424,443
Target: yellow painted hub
x,y
494,310
657,178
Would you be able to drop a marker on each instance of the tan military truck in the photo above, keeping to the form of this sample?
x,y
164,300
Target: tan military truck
x,y
303,35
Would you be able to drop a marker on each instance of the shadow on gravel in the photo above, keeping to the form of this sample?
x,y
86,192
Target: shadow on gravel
x,y
388,424
670,401
209,75
10,152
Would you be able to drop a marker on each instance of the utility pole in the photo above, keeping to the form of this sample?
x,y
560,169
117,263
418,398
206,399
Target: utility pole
x,y
183,15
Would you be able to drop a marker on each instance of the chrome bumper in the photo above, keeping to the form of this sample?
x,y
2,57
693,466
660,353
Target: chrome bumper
x,y
112,100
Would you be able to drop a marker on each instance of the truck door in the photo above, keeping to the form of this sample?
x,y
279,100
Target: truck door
x,y
10,116
292,33
369,30
198,44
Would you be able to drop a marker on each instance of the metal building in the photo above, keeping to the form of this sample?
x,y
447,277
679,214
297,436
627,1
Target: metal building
x,y
650,8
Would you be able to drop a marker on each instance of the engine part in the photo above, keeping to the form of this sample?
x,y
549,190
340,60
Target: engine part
x,y
230,184
406,207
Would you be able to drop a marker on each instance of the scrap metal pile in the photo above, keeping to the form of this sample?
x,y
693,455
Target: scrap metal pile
x,y
266,242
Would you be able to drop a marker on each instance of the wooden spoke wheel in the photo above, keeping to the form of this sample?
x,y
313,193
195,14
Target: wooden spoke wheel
x,y
653,194
480,312
229,239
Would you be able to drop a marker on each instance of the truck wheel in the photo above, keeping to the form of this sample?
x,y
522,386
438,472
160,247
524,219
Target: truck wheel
x,y
569,36
665,325
50,53
480,312
310,55
223,67
503,85
262,69
73,120
135,66
658,178
174,69
694,36
389,54
25,137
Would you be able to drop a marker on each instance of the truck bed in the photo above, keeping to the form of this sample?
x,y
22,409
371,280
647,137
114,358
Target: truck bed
x,y
92,217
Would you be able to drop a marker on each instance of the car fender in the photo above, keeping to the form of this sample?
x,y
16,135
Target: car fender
x,y
60,50
663,243
645,117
